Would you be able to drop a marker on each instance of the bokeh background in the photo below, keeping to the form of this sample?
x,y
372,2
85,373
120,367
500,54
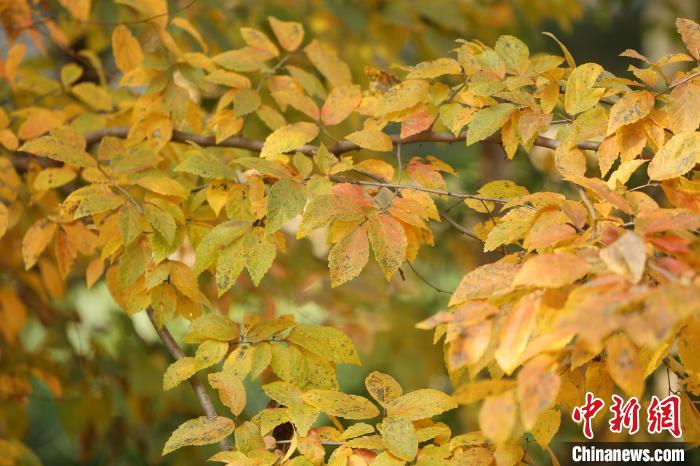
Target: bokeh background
x,y
83,383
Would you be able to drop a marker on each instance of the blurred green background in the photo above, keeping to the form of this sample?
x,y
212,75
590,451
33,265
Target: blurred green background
x,y
99,401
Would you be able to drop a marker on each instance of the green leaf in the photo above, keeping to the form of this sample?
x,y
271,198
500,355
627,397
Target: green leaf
x,y
259,252
207,250
205,164
229,266
327,342
199,431
288,138
285,201
487,121
161,221
132,264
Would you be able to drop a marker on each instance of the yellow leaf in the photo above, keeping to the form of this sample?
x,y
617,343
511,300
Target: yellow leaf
x,y
435,68
13,315
682,101
690,33
4,219
383,388
289,34
512,227
402,96
287,138
231,390
199,431
212,326
340,103
626,256
601,189
570,160
180,370
259,252
53,178
546,427
551,270
676,158
483,281
538,387
184,280
569,59
80,9
325,59
327,342
514,53
580,94
339,404
689,346
299,101
421,404
258,39
348,257
245,101
57,147
388,241
475,391
497,417
399,437
95,96
623,364
126,49
371,139
487,121
210,352
35,241
633,106
229,266
186,26
14,57
515,332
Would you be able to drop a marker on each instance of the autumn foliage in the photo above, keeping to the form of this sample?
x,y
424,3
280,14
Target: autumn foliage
x,y
138,182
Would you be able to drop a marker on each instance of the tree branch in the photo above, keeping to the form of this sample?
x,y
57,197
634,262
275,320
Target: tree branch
x,y
199,390
394,187
239,142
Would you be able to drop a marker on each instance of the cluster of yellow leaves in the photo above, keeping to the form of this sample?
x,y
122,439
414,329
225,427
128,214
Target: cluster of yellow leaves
x,y
590,292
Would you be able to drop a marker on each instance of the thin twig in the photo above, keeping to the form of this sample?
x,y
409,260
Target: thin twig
x,y
199,390
678,83
453,223
425,280
342,179
587,201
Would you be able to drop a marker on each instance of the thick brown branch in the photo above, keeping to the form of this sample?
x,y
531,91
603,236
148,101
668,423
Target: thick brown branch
x,y
338,148
199,390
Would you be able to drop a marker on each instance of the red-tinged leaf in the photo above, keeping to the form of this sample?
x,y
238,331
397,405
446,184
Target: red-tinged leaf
x,y
348,257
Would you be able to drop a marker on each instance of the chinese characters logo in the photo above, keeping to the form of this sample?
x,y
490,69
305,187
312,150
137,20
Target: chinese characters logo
x,y
662,415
